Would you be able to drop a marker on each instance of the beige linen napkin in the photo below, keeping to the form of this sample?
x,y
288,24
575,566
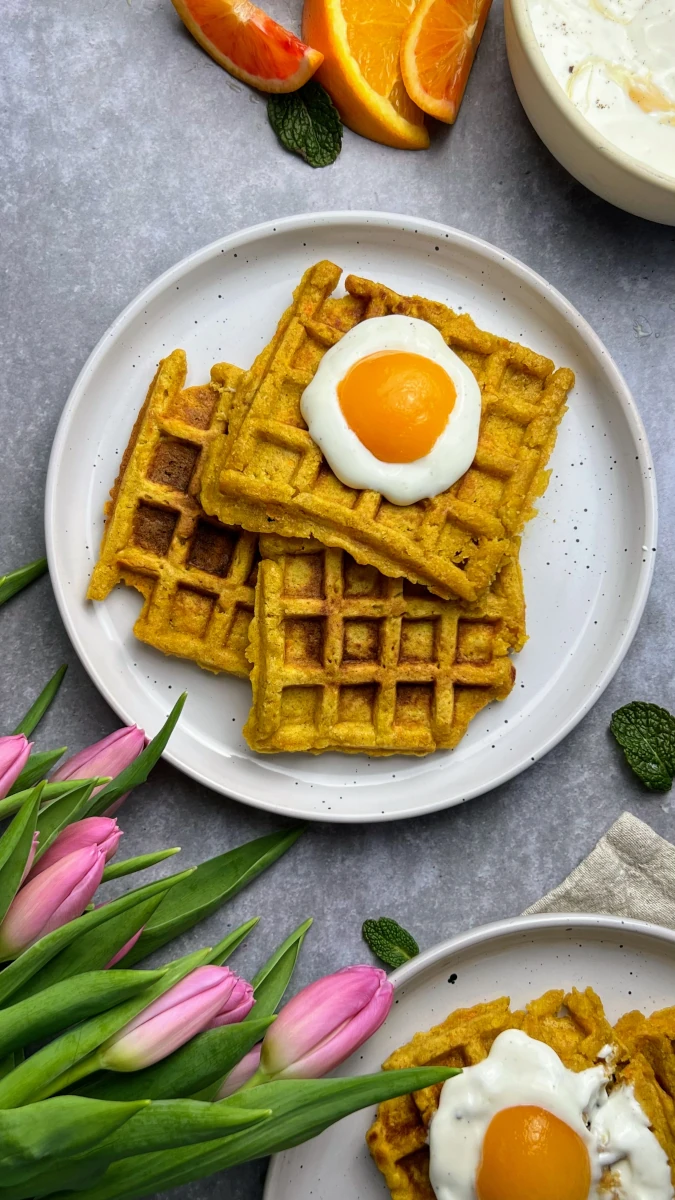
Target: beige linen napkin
x,y
630,873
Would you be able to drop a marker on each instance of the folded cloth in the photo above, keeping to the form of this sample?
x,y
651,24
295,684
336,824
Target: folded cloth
x,y
630,873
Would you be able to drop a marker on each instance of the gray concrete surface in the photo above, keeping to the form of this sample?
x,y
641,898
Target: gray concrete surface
x,y
124,148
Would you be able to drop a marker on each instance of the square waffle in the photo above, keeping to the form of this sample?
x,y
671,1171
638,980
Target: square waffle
x,y
574,1025
197,576
345,658
268,474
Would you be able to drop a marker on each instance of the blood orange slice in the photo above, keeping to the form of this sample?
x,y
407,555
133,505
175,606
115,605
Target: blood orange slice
x,y
437,50
249,44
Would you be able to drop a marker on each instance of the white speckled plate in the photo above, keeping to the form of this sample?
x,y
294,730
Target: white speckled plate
x,y
629,963
587,558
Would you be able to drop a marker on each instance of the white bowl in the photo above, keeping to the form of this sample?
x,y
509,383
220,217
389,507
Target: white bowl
x,y
582,150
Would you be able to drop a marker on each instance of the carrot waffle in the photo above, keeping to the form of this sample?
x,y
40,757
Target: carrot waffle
x,y
197,576
345,658
574,1025
269,475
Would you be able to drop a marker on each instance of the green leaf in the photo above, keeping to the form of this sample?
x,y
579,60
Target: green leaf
x,y
92,951
210,886
72,1055
36,768
50,792
17,974
307,123
207,1058
62,1126
129,866
38,709
272,980
646,734
15,845
66,1003
53,819
389,942
229,944
139,770
17,580
301,1109
169,1124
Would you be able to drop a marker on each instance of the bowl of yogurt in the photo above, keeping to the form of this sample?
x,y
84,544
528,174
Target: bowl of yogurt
x,y
597,81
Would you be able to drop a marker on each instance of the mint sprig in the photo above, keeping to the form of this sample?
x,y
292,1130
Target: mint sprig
x,y
307,123
389,942
646,734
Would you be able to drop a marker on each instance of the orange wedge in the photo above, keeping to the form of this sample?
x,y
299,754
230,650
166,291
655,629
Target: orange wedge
x,y
437,51
361,45
249,44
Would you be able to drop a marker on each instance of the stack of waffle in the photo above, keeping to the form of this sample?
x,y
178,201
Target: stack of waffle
x,y
365,627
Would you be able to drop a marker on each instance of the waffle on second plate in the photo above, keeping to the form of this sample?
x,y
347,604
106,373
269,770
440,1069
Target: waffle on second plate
x,y
574,1025
345,658
269,475
197,575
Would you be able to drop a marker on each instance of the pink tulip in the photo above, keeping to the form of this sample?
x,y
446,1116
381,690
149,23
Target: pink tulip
x,y
124,949
238,1005
92,831
31,856
325,1023
241,1074
50,900
186,1009
110,757
14,754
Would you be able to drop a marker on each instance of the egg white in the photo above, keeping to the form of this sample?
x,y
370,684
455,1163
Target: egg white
x,y
522,1071
401,483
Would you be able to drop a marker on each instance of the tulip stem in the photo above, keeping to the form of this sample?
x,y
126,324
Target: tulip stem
x,y
50,793
259,1077
85,1066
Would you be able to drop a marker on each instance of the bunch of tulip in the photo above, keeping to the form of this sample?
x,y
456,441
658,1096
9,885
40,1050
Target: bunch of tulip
x,y
118,1083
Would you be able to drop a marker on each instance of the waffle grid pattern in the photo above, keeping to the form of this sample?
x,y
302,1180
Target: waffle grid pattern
x,y
197,576
268,475
346,658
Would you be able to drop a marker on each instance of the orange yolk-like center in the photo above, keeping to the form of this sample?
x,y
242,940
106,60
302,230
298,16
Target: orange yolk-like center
x,y
529,1154
397,404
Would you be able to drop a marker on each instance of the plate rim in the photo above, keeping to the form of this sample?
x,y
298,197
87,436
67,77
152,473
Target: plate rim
x,y
344,218
491,932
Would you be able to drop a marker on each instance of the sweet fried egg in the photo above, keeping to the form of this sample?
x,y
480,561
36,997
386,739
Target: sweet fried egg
x,y
394,410
521,1126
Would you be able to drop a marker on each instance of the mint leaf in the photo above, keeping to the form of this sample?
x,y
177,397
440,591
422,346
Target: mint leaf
x,y
646,734
389,942
307,123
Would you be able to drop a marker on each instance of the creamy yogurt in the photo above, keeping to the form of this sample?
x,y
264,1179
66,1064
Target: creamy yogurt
x,y
616,61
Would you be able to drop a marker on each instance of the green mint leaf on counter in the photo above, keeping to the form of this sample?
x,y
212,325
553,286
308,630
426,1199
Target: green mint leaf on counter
x,y
307,123
389,942
646,734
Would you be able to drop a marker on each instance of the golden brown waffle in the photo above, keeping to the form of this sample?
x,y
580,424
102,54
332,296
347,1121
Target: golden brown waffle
x,y
197,575
345,658
268,474
574,1025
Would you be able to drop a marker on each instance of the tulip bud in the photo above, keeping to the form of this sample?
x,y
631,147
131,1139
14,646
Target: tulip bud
x,y
92,831
31,856
110,757
325,1023
124,949
14,754
50,900
186,1009
241,1074
237,1006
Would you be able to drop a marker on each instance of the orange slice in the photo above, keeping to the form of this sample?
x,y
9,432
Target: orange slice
x,y
249,44
361,45
437,51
